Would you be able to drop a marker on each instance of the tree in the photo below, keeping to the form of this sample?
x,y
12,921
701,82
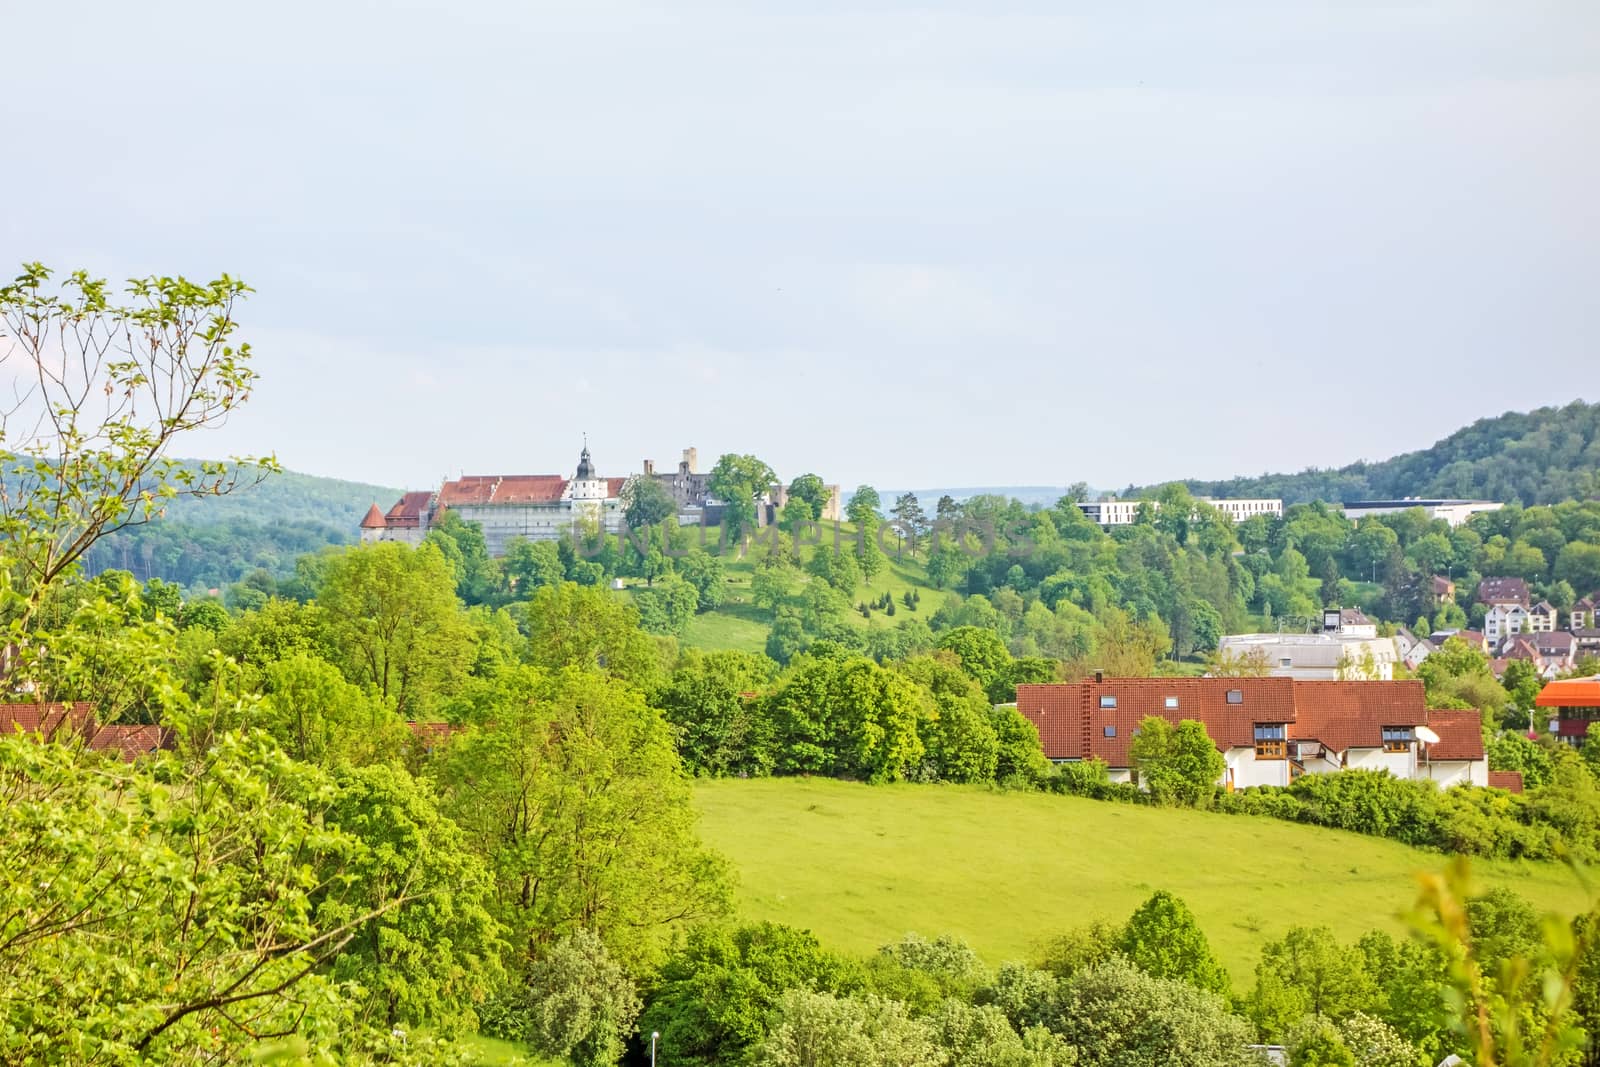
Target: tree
x,y
717,991
667,606
576,799
1319,1045
581,626
957,730
982,656
1116,1015
738,481
822,1030
530,565
1163,940
846,716
984,1037
463,545
812,492
910,519
1307,972
709,699
319,717
705,572
431,964
1578,564
863,512
582,1002
646,503
395,623
101,392
190,909
1177,764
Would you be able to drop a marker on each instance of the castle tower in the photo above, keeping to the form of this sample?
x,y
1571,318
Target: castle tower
x,y
373,525
588,490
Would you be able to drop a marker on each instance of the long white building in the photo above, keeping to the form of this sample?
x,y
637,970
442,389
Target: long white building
x,y
1111,512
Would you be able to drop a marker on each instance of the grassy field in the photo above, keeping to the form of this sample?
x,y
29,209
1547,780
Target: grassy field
x,y
862,865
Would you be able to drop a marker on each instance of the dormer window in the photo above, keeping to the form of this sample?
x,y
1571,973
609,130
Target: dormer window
x,y
1272,740
1398,738
1236,696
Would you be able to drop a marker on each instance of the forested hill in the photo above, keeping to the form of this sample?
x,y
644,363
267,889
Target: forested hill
x,y
1536,457
287,497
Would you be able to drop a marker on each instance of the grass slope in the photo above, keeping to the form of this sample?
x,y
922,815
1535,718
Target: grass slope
x,y
861,865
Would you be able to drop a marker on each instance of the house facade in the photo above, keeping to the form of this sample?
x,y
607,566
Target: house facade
x,y
1269,730
1113,512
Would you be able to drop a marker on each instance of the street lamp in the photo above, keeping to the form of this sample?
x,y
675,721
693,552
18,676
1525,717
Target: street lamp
x,y
655,1035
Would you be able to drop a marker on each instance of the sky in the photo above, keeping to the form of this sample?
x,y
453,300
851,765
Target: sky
x,y
976,243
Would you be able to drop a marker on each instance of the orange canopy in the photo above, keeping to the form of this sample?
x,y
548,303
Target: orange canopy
x,y
1571,693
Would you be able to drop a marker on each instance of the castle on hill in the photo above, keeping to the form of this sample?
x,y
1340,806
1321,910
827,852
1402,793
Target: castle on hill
x,y
542,507
538,507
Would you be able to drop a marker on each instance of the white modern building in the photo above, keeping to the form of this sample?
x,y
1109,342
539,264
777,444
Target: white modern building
x,y
1113,512
1454,512
1347,649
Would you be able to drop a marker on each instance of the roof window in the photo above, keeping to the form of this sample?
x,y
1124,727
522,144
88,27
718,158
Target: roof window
x,y
1236,696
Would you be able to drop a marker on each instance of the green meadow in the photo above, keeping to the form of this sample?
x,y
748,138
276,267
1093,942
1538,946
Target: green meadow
x,y
861,865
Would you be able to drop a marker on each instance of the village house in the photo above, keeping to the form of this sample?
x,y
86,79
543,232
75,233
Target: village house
x,y
1542,617
1575,703
1582,615
77,723
1348,647
1269,730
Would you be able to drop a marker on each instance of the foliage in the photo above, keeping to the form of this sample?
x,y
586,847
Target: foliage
x,y
582,1002
102,389
716,991
1307,972
1162,939
710,700
1177,764
576,798
1118,1016
821,1030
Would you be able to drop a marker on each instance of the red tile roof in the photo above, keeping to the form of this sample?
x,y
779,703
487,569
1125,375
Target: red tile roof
x,y
130,742
60,722
614,486
374,519
46,720
1460,735
1073,724
1510,781
409,510
483,489
1503,591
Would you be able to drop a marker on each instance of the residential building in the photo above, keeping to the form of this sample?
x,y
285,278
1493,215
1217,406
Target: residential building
x,y
1347,648
1582,615
538,507
1269,730
1506,591
1457,758
1444,591
1575,704
1454,512
1542,617
1413,649
1503,622
1112,512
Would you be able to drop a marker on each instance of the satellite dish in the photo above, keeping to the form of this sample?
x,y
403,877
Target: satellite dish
x,y
1425,734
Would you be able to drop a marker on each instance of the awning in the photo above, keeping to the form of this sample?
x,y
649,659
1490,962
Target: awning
x,y
1571,693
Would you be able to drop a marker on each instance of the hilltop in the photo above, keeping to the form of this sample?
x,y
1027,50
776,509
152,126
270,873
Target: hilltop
x,y
1536,457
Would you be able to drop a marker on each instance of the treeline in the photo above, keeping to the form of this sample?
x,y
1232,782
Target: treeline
x,y
1537,457
202,556
1146,991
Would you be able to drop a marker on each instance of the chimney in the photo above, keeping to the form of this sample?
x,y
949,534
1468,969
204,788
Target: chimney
x,y
1099,676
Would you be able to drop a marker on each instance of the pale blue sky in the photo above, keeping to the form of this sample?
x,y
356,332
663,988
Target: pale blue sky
x,y
942,243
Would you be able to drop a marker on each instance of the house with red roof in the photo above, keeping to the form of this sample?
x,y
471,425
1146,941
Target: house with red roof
x,y
76,723
1269,730
536,507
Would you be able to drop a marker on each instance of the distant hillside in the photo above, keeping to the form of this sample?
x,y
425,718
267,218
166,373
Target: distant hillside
x,y
287,497
1537,457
